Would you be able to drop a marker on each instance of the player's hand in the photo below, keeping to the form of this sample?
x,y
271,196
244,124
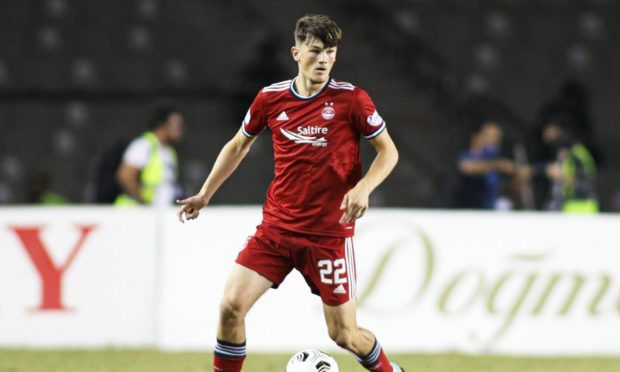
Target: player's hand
x,y
354,204
190,207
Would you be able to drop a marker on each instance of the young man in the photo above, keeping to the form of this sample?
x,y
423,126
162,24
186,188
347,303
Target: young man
x,y
481,168
315,197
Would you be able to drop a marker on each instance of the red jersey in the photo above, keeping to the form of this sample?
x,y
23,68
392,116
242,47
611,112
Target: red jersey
x,y
316,152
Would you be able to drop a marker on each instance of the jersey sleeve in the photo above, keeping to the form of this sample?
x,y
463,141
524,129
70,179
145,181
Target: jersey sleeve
x,y
254,121
365,116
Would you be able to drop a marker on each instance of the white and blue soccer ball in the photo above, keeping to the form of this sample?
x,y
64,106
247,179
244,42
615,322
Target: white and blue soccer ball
x,y
311,360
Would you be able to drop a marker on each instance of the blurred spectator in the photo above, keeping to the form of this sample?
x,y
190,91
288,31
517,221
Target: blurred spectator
x,y
39,191
572,173
571,109
107,188
481,168
148,173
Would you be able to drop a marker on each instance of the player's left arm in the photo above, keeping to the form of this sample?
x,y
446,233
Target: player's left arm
x,y
355,202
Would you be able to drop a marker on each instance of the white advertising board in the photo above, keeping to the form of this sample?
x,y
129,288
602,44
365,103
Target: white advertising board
x,y
499,283
428,281
77,277
513,283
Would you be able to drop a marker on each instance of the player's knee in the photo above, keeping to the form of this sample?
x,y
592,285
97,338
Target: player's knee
x,y
231,310
343,337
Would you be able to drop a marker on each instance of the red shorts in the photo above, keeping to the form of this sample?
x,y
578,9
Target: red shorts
x,y
326,263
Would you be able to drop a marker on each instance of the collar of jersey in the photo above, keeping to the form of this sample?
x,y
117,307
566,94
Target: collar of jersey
x,y
296,95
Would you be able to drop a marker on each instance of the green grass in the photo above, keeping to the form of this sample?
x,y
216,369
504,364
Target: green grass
x,y
152,361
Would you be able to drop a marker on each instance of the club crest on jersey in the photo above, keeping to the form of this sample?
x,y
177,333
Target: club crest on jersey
x,y
312,134
328,111
375,119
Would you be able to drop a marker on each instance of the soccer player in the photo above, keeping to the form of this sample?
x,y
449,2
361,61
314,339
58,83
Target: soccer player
x,y
314,199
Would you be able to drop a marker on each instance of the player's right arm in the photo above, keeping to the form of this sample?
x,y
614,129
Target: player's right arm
x,y
227,161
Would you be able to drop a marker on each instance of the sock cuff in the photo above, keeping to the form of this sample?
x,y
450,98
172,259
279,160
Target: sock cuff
x,y
372,357
228,343
227,349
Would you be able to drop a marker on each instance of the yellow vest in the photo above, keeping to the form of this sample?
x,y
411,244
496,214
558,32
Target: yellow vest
x,y
583,205
52,198
151,175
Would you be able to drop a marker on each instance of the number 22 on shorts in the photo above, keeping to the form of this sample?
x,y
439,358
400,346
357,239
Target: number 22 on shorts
x,y
333,272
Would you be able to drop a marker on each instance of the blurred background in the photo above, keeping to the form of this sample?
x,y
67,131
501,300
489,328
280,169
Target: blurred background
x,y
77,77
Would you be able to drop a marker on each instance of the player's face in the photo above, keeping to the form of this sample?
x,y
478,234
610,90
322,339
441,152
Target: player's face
x,y
315,61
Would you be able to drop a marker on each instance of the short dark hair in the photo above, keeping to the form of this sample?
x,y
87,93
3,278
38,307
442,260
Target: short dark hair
x,y
161,115
318,26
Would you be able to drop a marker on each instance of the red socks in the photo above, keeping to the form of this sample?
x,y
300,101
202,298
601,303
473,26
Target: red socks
x,y
228,357
375,361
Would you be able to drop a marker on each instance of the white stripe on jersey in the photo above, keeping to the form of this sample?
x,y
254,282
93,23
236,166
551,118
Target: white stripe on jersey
x,y
284,82
341,83
277,87
245,132
348,87
248,134
377,132
341,86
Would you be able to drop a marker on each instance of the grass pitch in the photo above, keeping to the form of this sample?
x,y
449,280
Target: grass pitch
x,y
156,361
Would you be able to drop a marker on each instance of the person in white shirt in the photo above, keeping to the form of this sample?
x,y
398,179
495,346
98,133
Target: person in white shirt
x,y
148,173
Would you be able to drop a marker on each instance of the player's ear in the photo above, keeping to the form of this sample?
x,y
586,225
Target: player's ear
x,y
295,53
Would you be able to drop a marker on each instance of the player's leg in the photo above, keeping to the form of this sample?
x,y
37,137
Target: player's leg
x,y
261,264
243,288
343,329
329,269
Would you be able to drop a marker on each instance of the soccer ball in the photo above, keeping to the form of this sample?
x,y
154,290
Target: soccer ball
x,y
311,360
